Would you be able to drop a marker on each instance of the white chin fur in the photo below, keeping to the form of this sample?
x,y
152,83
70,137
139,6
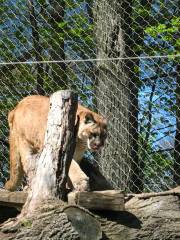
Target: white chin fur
x,y
88,144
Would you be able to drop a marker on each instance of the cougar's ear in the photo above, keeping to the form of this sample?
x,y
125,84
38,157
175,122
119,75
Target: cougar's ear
x,y
89,118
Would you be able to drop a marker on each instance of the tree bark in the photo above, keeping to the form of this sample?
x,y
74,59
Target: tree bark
x,y
153,218
113,92
53,165
135,180
146,217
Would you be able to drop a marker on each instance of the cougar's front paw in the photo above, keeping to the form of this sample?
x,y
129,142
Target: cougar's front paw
x,y
81,185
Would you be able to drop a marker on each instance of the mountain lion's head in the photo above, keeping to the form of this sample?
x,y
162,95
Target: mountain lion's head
x,y
92,129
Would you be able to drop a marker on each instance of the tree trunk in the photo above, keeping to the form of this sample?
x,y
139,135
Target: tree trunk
x,y
53,165
135,180
113,92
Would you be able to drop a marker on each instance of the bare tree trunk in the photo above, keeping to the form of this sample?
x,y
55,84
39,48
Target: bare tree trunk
x,y
135,180
113,92
51,174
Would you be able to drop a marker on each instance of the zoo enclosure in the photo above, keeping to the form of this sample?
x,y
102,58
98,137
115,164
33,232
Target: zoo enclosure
x,y
121,57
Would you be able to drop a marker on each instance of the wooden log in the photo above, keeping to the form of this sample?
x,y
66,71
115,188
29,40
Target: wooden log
x,y
152,218
17,199
174,191
98,200
12,199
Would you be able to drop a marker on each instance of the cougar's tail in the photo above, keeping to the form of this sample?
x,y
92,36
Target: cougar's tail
x,y
16,171
11,118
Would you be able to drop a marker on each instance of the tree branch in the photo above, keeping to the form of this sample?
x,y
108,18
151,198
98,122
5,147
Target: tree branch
x,y
161,128
162,150
165,135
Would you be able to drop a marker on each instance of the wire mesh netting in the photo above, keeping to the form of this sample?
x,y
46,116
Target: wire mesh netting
x,y
121,57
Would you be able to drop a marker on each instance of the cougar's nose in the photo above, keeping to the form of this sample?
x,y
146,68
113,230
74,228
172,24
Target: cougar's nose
x,y
97,145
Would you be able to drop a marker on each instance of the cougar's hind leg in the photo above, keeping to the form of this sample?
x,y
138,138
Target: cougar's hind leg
x,y
16,170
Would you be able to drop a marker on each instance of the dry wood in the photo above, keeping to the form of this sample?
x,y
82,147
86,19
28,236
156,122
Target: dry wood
x,y
54,219
17,199
98,200
147,219
50,179
174,191
12,197
43,214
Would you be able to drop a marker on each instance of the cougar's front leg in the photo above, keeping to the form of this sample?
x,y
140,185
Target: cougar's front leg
x,y
78,178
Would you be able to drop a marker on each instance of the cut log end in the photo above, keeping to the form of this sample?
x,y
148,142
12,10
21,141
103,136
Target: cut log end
x,y
86,225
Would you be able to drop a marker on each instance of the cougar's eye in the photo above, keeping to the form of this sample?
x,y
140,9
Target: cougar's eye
x,y
94,135
104,135
89,119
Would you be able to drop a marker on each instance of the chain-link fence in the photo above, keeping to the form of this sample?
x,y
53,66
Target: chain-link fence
x,y
121,57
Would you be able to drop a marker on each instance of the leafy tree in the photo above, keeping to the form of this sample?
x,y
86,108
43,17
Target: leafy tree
x,y
157,93
35,30
141,95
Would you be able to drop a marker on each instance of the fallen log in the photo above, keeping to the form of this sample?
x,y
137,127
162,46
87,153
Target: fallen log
x,y
84,199
153,218
12,199
174,191
98,200
95,200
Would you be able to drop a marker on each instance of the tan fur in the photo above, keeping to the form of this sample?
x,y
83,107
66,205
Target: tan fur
x,y
27,123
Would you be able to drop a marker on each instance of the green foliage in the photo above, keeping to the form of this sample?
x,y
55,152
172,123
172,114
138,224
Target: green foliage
x,y
59,37
69,34
155,32
167,31
27,223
